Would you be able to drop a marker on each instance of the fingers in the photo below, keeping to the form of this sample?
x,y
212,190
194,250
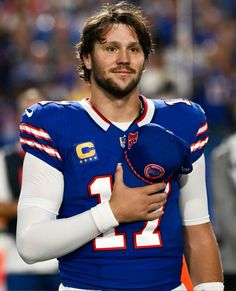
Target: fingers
x,y
154,215
157,198
119,174
136,204
157,206
155,188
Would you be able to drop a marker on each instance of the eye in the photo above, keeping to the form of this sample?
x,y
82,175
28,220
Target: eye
x,y
111,49
134,49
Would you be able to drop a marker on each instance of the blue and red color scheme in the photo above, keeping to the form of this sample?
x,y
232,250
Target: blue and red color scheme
x,y
146,255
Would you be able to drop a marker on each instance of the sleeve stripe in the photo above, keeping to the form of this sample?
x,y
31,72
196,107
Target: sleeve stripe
x,y
199,144
49,150
34,131
203,129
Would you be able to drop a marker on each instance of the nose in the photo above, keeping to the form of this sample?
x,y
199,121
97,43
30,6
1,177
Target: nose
x,y
123,57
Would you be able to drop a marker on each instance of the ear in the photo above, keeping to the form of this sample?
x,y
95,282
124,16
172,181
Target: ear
x,y
145,65
87,61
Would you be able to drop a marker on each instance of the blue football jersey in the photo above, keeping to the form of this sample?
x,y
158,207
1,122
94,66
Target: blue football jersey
x,y
77,140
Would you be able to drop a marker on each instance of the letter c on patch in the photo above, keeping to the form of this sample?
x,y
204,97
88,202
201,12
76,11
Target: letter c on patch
x,y
85,150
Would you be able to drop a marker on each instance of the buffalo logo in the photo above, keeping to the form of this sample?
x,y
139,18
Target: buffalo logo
x,y
132,139
86,152
153,171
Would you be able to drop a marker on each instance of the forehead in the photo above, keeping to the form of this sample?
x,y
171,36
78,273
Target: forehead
x,y
120,33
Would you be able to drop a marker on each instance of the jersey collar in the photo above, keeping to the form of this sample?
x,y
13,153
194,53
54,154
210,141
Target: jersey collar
x,y
144,118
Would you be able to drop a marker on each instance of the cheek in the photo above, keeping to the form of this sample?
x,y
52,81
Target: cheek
x,y
142,62
138,62
140,66
100,63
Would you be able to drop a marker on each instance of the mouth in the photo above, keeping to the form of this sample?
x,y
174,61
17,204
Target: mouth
x,y
123,71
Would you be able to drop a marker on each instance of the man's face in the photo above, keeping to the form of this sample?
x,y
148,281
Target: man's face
x,y
117,63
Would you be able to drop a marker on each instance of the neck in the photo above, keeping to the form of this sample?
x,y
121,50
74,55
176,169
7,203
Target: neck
x,y
114,109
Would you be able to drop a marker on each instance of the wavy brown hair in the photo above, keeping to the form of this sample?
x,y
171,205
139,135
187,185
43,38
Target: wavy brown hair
x,y
99,24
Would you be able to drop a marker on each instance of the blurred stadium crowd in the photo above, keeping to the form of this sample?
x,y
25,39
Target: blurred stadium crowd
x,y
195,56
37,41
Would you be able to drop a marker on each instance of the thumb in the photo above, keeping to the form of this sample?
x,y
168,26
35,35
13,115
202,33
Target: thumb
x,y
119,174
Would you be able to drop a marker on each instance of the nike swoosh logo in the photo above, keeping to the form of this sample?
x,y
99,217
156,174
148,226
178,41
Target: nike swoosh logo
x,y
29,112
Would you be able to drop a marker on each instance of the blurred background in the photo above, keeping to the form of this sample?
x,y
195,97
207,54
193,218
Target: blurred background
x,y
195,59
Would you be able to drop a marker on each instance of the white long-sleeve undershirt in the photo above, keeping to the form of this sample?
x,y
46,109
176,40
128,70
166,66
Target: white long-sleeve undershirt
x,y
40,236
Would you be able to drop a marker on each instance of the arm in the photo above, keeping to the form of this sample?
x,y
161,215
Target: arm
x,y
201,249
202,255
40,236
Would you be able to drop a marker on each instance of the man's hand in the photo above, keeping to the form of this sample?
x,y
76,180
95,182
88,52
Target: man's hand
x,y
136,204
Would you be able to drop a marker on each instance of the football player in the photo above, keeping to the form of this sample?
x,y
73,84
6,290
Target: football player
x,y
109,229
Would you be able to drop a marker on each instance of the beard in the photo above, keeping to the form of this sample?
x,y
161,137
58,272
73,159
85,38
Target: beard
x,y
109,85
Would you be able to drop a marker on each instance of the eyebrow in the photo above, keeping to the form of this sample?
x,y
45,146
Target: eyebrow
x,y
116,43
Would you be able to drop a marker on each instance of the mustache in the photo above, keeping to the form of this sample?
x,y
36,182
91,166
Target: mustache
x,y
123,67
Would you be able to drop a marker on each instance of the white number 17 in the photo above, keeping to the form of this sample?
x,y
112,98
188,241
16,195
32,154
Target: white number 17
x,y
148,237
